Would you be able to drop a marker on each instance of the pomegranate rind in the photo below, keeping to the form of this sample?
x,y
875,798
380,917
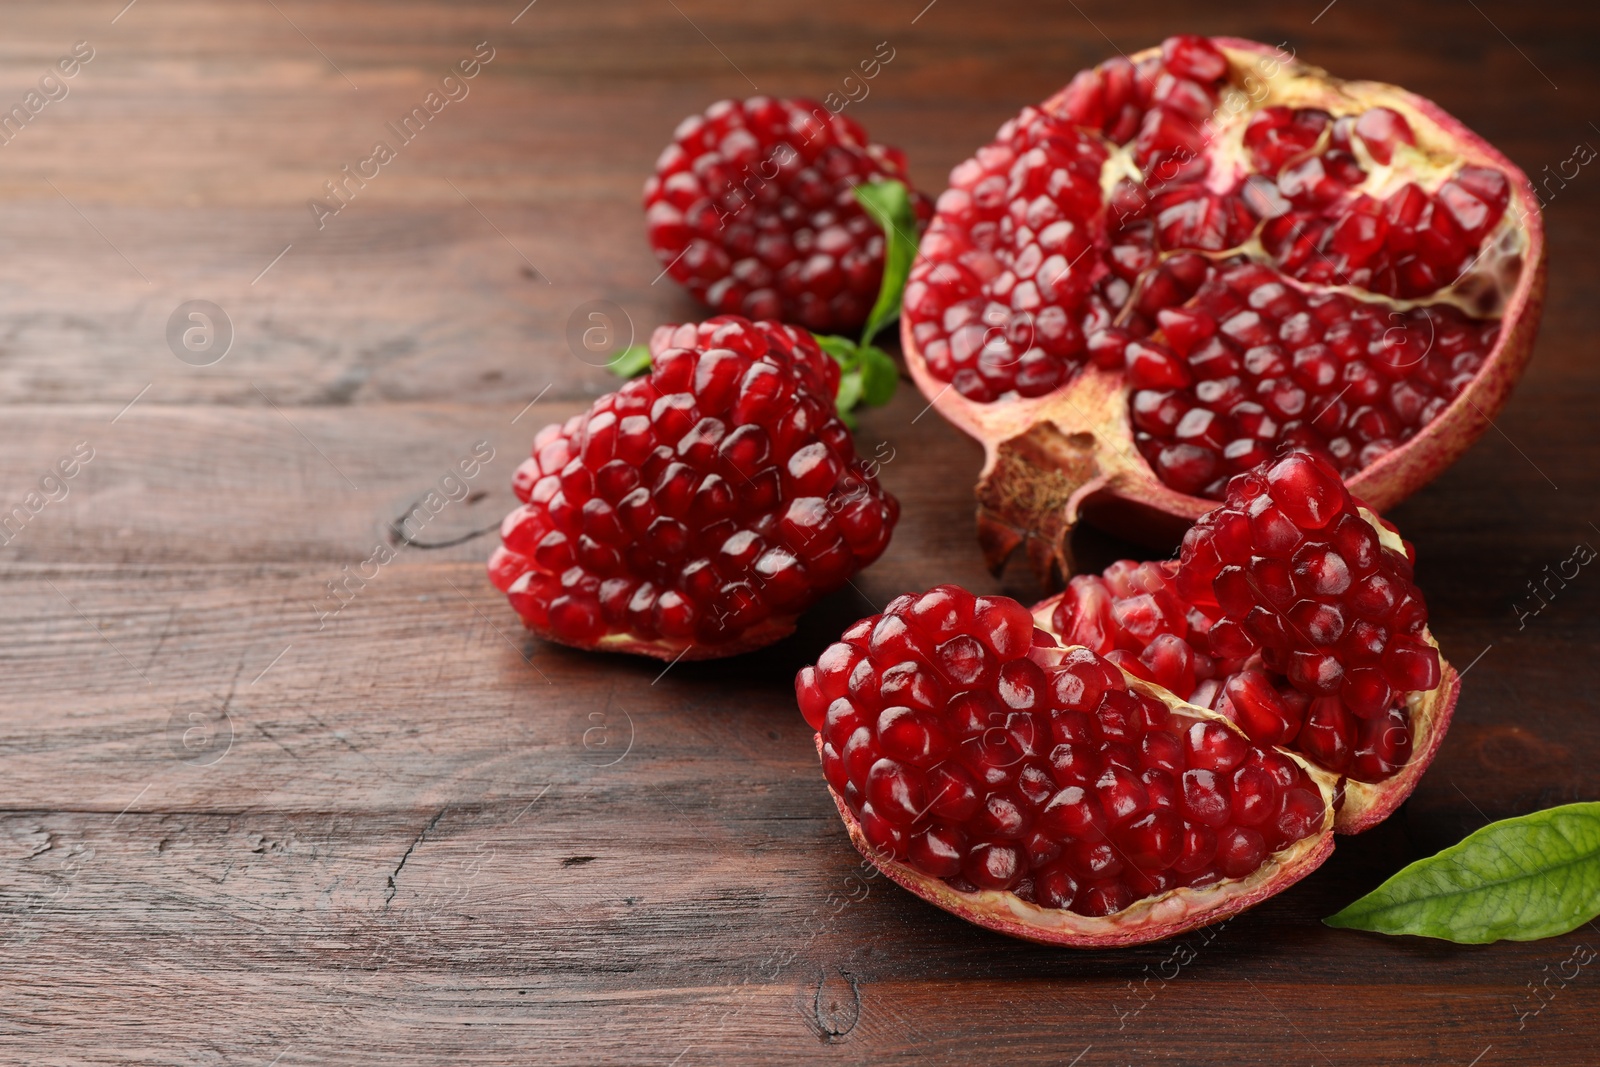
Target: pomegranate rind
x,y
1154,918
1365,803
1068,456
767,632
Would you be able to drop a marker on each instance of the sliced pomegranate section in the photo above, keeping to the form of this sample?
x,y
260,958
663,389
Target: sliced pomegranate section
x,y
1185,263
1292,613
1042,792
696,511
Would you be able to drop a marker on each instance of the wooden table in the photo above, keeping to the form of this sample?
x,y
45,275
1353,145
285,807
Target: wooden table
x,y
239,828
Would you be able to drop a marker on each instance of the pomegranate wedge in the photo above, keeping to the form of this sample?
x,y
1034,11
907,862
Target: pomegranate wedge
x,y
1157,747
1187,262
1042,792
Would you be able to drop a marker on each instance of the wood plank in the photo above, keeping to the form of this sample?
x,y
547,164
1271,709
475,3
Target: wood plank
x,y
233,832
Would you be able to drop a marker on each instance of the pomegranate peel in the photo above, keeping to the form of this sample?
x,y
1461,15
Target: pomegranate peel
x,y
1050,380
1174,912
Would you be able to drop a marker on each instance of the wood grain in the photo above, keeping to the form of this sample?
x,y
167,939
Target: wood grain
x,y
235,829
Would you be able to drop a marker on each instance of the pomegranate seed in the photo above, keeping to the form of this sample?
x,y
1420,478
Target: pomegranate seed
x,y
1075,813
887,840
1255,796
1411,664
1383,747
1366,692
1308,491
993,865
1300,813
1328,736
952,793
1104,898
1199,849
1320,571
1206,799
1054,887
937,850
912,737
1153,842
1380,129
1240,850
1214,747
1259,709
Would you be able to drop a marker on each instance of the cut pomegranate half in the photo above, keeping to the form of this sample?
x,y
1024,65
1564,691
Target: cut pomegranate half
x,y
1186,263
1042,792
1292,613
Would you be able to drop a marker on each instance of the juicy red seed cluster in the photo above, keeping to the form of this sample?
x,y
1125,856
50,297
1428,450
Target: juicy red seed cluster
x,y
1315,642
695,503
1134,615
1254,364
1014,290
1002,295
968,745
1028,273
1296,571
752,207
1318,228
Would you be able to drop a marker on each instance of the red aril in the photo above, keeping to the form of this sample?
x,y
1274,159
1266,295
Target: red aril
x,y
1303,627
1054,797
1192,260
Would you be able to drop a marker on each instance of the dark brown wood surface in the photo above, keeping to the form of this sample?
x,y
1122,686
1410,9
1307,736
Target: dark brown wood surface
x,y
235,831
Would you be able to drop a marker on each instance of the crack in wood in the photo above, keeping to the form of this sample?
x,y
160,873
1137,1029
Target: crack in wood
x,y
394,874
398,535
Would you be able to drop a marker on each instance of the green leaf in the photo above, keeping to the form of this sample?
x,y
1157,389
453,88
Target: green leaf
x,y
849,397
630,362
889,204
879,376
868,375
842,349
1520,879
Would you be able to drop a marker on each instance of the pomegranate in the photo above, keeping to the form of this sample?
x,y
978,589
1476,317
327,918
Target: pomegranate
x,y
1292,613
753,208
1197,258
1040,791
1066,792
698,510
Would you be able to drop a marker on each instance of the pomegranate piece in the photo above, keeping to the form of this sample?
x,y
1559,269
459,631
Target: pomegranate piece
x,y
1178,267
752,207
698,510
1291,612
1048,794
